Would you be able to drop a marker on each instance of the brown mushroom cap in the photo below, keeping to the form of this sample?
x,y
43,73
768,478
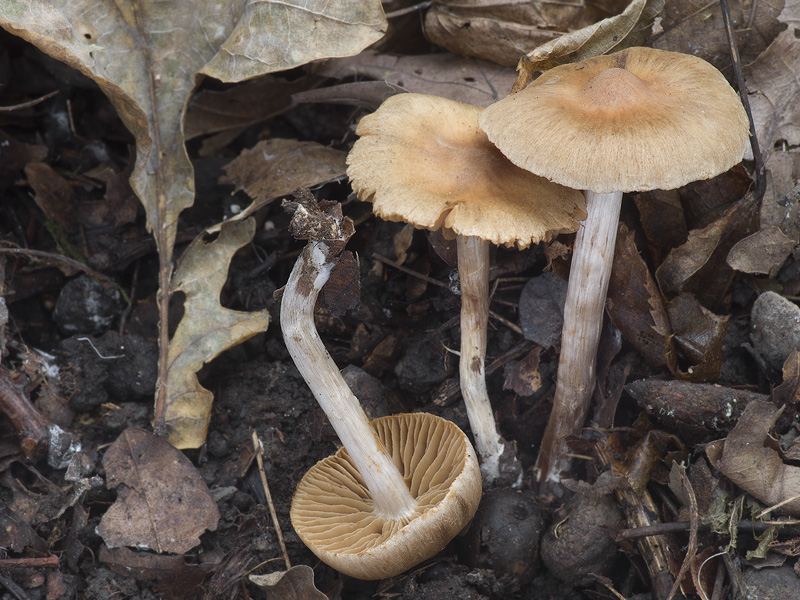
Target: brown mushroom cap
x,y
424,160
636,120
333,514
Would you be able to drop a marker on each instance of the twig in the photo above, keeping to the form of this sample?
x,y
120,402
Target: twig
x,y
41,256
13,588
45,562
512,326
694,520
408,9
391,263
272,513
761,180
27,104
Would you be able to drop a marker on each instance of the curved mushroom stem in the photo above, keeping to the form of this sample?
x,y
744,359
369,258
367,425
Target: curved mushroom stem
x,y
473,273
380,474
592,257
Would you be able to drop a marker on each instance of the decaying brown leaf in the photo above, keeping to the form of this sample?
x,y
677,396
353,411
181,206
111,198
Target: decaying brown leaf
x,y
277,167
772,80
53,194
696,27
462,79
541,309
502,32
763,252
662,219
613,33
748,457
524,378
698,333
213,111
206,330
295,584
699,265
162,501
636,306
166,48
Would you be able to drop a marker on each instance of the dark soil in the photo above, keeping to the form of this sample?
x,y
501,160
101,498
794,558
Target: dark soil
x,y
394,346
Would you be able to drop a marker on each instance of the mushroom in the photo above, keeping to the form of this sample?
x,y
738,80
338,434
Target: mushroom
x,y
637,120
423,160
401,487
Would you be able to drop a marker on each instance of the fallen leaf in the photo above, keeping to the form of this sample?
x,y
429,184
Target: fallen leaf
x,y
613,33
16,155
524,378
636,306
206,330
698,333
662,219
213,111
166,47
501,32
781,204
52,194
277,167
162,503
541,309
762,253
295,584
788,392
699,265
365,94
696,27
748,460
462,79
773,83
145,566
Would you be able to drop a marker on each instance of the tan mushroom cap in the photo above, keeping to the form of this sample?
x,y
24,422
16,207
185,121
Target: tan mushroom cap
x,y
424,160
636,120
332,510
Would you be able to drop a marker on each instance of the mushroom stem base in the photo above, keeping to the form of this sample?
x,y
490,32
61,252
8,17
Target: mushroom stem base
x,y
473,272
381,476
592,257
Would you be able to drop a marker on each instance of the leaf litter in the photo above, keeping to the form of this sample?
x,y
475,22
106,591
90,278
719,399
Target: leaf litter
x,y
689,266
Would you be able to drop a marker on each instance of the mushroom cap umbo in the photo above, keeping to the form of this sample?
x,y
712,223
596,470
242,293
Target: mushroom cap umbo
x,y
424,160
333,513
635,120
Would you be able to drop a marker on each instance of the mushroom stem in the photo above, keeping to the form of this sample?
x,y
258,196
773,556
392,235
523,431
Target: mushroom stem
x,y
473,273
592,257
381,476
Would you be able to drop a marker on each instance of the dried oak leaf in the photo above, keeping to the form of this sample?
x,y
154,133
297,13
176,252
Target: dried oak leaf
x,y
698,333
611,34
749,459
696,26
636,306
699,265
214,111
277,167
206,330
295,584
462,79
162,503
502,32
763,252
773,83
167,46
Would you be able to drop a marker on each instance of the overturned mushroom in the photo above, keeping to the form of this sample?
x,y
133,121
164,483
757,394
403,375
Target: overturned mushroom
x,y
424,160
637,120
400,488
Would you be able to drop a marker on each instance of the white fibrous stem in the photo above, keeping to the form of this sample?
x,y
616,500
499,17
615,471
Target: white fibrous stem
x,y
592,257
381,476
473,273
